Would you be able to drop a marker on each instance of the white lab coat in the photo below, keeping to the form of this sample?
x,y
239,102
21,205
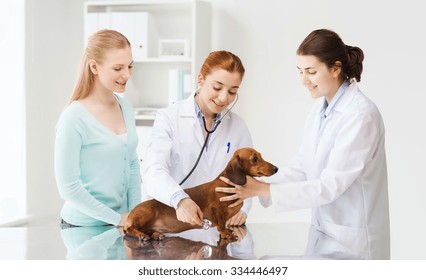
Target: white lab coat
x,y
177,138
340,172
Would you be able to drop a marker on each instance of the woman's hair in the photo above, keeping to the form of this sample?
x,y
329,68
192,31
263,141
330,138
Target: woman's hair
x,y
328,47
224,60
97,46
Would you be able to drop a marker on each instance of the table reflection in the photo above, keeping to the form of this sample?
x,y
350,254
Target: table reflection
x,y
94,243
106,242
273,241
322,246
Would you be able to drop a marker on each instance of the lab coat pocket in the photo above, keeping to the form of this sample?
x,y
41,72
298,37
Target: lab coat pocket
x,y
220,155
225,152
355,239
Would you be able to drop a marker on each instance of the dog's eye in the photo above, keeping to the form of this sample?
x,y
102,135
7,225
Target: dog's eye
x,y
255,159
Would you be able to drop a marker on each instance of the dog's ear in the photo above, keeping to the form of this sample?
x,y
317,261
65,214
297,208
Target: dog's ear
x,y
235,172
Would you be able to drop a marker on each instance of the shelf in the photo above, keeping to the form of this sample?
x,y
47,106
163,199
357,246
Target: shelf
x,y
167,37
165,59
153,5
145,113
145,117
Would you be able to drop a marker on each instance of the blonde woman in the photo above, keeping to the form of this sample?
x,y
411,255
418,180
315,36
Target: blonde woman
x,y
96,165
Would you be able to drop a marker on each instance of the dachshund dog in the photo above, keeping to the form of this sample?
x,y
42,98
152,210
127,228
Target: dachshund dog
x,y
150,219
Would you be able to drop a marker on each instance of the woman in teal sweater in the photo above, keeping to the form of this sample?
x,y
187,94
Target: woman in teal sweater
x,y
96,165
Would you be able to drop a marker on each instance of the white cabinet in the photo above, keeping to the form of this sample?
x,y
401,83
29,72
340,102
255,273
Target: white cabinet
x,y
170,40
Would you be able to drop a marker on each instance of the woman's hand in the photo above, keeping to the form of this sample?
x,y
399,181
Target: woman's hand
x,y
237,220
121,231
123,219
251,188
189,212
122,223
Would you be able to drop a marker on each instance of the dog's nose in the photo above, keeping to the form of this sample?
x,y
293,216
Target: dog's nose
x,y
274,169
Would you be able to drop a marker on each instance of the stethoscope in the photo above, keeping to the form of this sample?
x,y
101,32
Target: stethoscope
x,y
209,132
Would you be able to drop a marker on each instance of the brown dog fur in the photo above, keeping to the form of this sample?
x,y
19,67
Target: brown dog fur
x,y
150,219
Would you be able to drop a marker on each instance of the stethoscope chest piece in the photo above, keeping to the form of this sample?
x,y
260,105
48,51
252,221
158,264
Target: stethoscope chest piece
x,y
207,251
206,224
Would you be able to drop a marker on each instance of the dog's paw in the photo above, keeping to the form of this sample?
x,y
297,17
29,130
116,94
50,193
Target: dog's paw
x,y
157,236
144,238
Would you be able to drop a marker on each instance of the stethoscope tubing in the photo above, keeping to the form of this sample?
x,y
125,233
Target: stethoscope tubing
x,y
209,132
200,154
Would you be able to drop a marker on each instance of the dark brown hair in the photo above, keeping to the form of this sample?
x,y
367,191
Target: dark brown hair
x,y
328,47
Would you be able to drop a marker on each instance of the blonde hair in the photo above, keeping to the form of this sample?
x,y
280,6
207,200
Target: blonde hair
x,y
97,46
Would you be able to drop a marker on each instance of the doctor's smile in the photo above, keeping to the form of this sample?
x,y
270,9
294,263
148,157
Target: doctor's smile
x,y
219,104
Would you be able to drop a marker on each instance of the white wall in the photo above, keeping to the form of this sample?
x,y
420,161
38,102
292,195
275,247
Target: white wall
x,y
54,47
265,34
12,160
